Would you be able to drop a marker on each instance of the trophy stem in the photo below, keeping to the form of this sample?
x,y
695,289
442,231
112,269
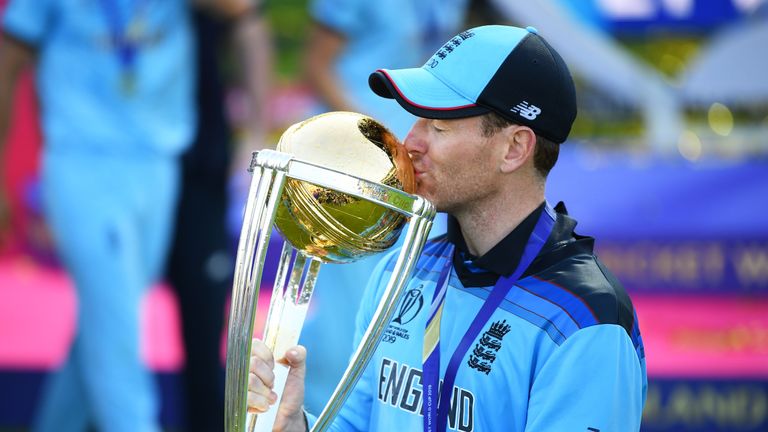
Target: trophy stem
x,y
283,331
276,300
285,298
416,235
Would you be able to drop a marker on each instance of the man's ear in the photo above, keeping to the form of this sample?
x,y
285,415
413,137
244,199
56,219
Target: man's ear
x,y
520,142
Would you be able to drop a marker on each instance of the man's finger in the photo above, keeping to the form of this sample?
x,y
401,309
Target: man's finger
x,y
263,371
260,403
259,349
295,356
257,385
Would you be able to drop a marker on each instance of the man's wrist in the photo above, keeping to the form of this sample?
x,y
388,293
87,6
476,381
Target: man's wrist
x,y
295,422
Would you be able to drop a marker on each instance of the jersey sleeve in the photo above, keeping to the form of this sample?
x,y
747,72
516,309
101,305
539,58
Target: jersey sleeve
x,y
594,381
27,20
355,413
342,16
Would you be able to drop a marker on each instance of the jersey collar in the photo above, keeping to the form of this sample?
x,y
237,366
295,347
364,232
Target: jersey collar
x,y
502,259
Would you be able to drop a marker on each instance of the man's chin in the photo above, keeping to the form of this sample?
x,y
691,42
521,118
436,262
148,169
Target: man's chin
x,y
424,193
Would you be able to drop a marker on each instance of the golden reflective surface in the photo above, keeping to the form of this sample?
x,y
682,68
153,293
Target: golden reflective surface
x,y
327,224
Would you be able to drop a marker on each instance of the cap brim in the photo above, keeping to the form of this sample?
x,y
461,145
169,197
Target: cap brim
x,y
422,94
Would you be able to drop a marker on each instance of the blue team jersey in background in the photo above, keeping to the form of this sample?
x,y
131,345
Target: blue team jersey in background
x,y
385,34
79,74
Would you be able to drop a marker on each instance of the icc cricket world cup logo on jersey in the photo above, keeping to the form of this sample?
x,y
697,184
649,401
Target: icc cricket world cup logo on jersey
x,y
410,306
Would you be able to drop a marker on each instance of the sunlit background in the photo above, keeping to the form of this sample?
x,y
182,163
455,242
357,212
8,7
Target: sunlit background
x,y
667,167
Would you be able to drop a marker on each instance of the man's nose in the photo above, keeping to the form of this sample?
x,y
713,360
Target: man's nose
x,y
414,141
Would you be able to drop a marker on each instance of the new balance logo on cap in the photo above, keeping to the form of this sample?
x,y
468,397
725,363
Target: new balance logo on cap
x,y
527,110
489,69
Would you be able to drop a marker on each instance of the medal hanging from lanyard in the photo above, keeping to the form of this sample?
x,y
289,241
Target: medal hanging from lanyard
x,y
127,33
436,407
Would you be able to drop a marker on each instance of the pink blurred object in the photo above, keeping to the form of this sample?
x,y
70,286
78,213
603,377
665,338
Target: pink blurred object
x,y
704,336
20,165
37,319
38,310
37,314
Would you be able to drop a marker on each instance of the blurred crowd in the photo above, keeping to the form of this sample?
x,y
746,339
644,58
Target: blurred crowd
x,y
149,110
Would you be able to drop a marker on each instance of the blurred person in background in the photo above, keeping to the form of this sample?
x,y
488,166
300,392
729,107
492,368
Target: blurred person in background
x,y
115,80
347,40
350,37
200,263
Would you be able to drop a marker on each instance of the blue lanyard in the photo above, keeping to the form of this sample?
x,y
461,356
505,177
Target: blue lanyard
x,y
436,412
127,49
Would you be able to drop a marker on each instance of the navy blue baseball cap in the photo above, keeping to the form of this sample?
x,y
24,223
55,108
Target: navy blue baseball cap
x,y
511,71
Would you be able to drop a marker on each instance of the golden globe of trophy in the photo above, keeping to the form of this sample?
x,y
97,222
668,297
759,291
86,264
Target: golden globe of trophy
x,y
331,225
338,188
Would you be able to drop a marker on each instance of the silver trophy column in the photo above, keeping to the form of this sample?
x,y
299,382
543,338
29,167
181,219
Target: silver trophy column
x,y
288,306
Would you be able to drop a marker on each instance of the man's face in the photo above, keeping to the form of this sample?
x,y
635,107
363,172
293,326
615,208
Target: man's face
x,y
456,166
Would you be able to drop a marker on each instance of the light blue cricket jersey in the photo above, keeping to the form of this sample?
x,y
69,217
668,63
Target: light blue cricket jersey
x,y
547,360
79,75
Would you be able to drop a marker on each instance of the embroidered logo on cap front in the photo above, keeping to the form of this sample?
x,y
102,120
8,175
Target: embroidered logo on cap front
x,y
526,110
448,48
